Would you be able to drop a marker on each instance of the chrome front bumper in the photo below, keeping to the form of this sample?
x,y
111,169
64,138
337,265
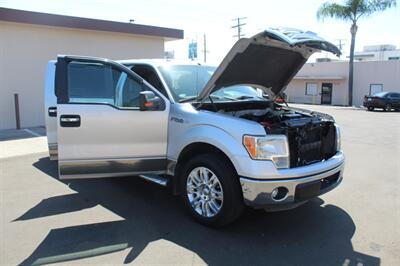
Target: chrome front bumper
x,y
257,193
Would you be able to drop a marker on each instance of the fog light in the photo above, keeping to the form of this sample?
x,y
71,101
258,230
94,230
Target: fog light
x,y
279,193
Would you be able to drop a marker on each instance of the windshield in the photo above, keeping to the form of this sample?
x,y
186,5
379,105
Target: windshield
x,y
380,94
187,81
237,92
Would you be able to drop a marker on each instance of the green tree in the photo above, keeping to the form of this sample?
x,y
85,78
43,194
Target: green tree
x,y
351,11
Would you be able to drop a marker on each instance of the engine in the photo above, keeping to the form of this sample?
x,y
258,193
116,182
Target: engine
x,y
311,135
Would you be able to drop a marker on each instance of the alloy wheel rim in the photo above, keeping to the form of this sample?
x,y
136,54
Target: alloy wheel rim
x,y
204,192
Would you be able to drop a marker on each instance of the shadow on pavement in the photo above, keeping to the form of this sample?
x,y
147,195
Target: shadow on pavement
x,y
383,111
310,234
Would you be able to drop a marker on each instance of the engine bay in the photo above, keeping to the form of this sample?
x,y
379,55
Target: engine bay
x,y
311,135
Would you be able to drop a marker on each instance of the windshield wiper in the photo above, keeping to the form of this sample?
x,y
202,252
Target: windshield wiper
x,y
245,97
222,97
187,99
212,96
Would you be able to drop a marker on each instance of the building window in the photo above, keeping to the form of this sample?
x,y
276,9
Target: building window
x,y
394,58
375,88
311,89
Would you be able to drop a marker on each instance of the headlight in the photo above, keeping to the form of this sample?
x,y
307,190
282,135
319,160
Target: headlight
x,y
338,138
271,147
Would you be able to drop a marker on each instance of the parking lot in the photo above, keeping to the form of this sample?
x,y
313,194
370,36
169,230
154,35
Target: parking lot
x,y
123,220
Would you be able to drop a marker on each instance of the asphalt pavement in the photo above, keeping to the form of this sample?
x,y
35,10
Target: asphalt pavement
x,y
128,220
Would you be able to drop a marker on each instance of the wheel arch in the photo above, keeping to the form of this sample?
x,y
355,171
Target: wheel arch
x,y
191,150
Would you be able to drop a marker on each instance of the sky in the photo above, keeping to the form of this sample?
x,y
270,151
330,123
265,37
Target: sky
x,y
214,19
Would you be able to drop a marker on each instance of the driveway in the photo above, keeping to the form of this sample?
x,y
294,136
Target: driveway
x,y
123,220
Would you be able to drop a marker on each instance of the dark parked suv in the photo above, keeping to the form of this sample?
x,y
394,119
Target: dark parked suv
x,y
385,100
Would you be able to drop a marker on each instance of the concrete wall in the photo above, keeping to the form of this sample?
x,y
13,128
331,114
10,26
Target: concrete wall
x,y
25,49
365,74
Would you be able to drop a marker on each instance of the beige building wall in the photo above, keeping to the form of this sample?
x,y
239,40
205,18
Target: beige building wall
x,y
296,91
386,73
324,72
25,50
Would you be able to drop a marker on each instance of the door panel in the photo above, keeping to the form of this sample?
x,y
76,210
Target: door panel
x,y
395,100
326,93
106,132
101,131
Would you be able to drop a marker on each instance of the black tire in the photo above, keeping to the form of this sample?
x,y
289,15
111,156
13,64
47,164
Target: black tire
x,y
387,107
370,108
232,206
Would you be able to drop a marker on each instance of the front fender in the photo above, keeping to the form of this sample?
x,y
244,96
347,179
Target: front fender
x,y
213,135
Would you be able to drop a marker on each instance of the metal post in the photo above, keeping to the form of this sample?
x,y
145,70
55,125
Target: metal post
x,y
16,104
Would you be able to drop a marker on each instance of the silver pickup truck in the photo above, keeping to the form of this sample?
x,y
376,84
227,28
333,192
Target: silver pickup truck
x,y
213,134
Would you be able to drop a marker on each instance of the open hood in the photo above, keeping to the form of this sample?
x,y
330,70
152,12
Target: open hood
x,y
268,60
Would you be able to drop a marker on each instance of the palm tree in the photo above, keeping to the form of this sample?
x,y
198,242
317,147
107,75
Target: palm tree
x,y
351,11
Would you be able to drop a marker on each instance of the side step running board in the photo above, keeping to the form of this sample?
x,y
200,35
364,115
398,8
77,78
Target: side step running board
x,y
156,179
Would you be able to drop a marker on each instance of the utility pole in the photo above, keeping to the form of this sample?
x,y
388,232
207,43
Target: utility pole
x,y
341,43
239,27
205,48
205,51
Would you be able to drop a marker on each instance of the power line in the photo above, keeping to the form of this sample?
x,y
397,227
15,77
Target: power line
x,y
239,27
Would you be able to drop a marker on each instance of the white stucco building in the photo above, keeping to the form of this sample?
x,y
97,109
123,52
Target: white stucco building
x,y
378,53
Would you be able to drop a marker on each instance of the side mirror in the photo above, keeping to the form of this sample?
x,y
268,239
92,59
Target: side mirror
x,y
149,101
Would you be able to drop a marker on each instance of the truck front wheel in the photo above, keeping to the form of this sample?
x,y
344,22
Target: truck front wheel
x,y
211,190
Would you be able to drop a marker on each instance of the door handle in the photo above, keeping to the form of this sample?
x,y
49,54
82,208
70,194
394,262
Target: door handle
x,y
52,111
70,121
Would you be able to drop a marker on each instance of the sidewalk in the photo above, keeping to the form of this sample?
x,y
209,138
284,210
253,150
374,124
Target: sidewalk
x,y
325,107
24,141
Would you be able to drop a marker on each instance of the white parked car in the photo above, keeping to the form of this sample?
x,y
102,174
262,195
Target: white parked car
x,y
214,134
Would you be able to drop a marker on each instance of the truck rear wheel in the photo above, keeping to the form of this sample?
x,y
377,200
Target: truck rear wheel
x,y
211,190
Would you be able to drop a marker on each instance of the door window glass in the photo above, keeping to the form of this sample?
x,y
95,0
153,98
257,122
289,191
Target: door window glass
x,y
128,91
100,83
326,93
394,95
91,83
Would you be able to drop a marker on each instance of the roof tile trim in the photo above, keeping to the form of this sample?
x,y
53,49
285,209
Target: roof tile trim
x,y
30,17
